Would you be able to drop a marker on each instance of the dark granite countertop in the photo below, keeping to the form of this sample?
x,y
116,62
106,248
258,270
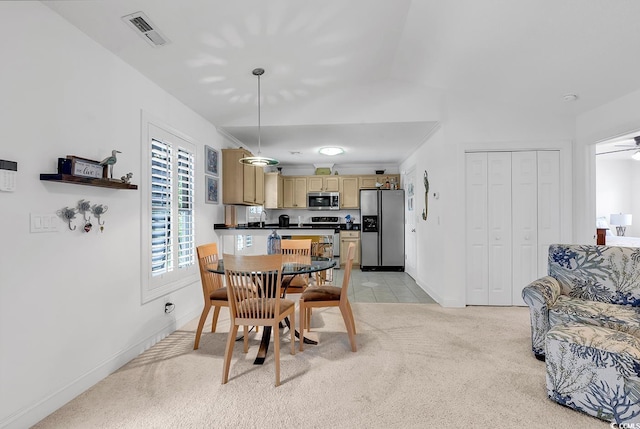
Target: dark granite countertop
x,y
256,225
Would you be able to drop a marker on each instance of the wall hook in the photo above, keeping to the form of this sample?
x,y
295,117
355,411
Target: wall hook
x,y
68,215
84,207
98,210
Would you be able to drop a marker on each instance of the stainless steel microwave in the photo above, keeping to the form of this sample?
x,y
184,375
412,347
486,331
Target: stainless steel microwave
x,y
323,201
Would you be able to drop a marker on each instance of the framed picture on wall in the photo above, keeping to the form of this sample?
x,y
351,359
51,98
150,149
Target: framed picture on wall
x,y
211,161
211,187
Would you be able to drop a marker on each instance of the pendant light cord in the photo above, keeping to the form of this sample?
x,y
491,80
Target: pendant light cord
x,y
259,128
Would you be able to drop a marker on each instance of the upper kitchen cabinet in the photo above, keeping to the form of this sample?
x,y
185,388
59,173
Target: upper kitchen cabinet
x,y
241,184
369,182
273,191
349,192
323,184
295,192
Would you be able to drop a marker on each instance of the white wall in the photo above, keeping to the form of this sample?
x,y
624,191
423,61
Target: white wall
x,y
471,124
70,302
431,235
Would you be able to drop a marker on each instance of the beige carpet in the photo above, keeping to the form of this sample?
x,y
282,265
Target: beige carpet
x,y
417,366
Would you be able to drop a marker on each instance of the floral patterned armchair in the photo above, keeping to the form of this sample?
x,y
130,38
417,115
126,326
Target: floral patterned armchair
x,y
587,284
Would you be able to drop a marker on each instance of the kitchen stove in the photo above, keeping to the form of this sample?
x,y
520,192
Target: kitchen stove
x,y
329,222
325,222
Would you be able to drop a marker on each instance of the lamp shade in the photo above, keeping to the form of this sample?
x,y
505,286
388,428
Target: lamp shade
x,y
620,219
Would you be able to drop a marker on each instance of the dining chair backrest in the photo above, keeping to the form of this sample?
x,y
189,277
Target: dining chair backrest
x,y
213,292
253,287
208,256
351,252
296,250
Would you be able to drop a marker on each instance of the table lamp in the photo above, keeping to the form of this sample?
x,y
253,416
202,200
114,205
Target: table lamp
x,y
621,221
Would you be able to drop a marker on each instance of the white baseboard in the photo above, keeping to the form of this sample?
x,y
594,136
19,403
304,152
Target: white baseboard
x,y
31,415
443,301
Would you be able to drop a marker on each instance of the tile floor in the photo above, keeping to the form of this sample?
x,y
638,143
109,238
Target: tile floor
x,y
382,286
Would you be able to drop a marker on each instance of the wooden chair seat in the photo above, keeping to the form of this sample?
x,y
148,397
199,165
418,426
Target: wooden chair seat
x,y
322,293
219,294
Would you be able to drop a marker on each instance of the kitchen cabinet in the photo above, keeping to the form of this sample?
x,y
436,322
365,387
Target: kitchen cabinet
x,y
273,191
323,184
369,182
294,192
346,238
349,192
241,183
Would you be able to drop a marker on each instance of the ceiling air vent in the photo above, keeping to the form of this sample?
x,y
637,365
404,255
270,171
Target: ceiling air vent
x,y
145,28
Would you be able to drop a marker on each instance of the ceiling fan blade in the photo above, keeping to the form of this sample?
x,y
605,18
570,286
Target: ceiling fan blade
x,y
619,150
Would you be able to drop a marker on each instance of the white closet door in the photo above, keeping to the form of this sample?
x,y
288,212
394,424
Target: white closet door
x,y
499,223
476,226
525,222
548,205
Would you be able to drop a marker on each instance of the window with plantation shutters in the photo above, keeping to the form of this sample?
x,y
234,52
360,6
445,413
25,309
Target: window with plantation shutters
x,y
168,257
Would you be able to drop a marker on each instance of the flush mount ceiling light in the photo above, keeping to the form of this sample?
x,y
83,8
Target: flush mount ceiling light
x,y
570,97
331,151
258,161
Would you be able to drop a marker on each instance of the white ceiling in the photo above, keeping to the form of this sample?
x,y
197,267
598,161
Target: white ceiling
x,y
364,74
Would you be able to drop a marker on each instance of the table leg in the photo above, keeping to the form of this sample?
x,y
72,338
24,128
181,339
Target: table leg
x,y
264,345
266,339
306,339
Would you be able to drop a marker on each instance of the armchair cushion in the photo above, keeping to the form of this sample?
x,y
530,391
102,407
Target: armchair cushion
x,y
577,310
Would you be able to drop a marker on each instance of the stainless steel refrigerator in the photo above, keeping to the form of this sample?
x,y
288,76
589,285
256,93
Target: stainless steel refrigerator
x,y
382,230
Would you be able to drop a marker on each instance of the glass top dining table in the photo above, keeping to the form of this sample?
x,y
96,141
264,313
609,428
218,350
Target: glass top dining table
x,y
289,269
318,263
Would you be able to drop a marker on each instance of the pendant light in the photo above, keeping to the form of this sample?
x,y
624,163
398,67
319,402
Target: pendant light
x,y
258,161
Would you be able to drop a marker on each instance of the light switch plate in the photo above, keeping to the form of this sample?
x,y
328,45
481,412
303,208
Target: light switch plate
x,y
47,222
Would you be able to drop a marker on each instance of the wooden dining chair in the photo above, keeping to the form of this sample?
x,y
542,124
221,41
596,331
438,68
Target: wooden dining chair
x,y
297,251
213,292
264,308
330,296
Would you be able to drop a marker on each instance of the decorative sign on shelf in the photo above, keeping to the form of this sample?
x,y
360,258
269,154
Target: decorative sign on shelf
x,y
81,167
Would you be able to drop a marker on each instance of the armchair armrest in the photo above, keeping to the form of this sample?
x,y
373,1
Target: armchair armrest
x,y
545,291
540,295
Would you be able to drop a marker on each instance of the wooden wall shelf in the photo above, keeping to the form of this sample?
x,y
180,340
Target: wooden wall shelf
x,y
88,181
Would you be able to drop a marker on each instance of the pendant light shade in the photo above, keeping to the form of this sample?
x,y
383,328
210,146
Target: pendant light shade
x,y
258,161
